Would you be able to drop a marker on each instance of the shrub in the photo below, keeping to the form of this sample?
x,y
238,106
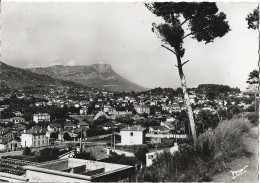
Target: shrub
x,y
85,155
27,151
253,117
140,153
131,148
120,159
226,140
48,154
214,147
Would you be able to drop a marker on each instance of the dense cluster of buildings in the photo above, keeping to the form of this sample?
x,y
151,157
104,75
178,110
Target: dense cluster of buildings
x,y
152,116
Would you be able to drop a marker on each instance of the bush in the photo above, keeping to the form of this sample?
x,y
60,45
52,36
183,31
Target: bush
x,y
131,148
226,140
120,159
27,151
140,153
84,155
48,154
213,149
253,117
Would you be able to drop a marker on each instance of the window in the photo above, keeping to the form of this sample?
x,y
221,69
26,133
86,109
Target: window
x,y
150,156
131,134
42,142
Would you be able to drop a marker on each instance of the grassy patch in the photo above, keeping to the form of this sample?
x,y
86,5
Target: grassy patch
x,y
214,148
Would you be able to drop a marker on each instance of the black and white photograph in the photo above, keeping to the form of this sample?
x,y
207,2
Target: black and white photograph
x,y
120,91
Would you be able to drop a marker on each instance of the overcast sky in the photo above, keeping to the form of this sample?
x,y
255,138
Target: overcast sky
x,y
119,34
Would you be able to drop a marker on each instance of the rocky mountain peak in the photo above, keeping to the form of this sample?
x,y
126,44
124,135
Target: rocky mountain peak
x,y
102,67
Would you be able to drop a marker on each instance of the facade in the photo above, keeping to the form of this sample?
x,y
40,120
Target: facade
x,y
3,143
83,125
41,117
108,109
171,108
8,133
34,138
5,121
132,135
55,127
17,120
83,111
142,109
9,145
70,126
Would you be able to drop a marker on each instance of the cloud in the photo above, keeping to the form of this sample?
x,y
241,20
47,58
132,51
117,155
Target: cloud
x,y
55,63
33,65
71,63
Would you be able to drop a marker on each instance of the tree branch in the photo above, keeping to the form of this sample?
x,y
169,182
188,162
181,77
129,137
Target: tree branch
x,y
185,62
169,49
187,35
185,21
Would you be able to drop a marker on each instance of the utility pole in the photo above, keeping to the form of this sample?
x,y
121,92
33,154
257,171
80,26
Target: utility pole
x,y
114,141
111,140
81,140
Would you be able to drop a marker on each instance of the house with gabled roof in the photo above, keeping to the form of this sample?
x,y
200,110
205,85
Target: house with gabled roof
x,y
54,127
83,124
70,126
9,144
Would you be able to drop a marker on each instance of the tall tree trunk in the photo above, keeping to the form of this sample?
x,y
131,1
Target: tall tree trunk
x,y
187,100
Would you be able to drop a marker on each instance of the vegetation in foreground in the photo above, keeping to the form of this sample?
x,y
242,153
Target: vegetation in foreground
x,y
214,149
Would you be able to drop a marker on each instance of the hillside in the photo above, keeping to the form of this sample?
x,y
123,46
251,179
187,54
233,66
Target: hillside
x,y
17,78
96,75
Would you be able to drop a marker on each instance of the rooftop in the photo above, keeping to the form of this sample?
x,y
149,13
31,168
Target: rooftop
x,y
133,128
77,170
41,114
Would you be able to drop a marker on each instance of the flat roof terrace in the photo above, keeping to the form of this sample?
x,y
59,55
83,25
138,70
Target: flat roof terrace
x,y
77,170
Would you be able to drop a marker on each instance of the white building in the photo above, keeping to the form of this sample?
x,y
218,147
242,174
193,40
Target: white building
x,y
83,111
132,135
108,109
172,108
34,138
142,109
41,117
17,120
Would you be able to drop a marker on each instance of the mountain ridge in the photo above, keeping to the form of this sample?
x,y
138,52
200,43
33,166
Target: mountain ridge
x,y
96,75
18,78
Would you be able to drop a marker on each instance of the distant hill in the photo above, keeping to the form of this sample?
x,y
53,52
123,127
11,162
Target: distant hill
x,y
96,76
17,78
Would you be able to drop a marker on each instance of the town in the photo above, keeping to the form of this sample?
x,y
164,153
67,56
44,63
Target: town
x,y
129,124
129,92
